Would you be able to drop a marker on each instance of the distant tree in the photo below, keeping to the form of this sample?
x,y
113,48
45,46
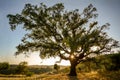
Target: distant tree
x,y
53,31
56,67
4,66
22,68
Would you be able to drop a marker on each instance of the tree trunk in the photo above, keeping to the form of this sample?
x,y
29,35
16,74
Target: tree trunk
x,y
73,69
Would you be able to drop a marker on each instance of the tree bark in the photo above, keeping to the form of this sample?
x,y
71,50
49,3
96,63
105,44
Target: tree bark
x,y
73,69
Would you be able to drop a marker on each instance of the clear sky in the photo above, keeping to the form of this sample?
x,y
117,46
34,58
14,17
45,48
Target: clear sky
x,y
108,10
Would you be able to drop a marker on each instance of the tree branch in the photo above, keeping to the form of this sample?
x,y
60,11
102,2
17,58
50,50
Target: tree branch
x,y
64,57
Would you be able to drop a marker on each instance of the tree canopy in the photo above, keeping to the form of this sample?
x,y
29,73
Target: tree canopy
x,y
54,31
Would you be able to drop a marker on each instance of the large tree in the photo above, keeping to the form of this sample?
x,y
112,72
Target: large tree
x,y
54,31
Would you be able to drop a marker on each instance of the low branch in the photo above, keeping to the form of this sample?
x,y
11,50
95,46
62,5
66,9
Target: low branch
x,y
66,51
63,57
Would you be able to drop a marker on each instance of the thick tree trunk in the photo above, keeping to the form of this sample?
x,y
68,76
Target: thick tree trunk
x,y
73,69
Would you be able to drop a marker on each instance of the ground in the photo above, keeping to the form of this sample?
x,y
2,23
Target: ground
x,y
93,75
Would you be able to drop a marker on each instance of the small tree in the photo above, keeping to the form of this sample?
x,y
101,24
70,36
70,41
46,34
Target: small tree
x,y
22,68
53,31
56,67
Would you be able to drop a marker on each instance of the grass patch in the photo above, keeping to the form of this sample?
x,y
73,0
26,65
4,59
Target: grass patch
x,y
93,75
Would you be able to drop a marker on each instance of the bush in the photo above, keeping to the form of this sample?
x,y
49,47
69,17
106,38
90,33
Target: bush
x,y
107,62
8,71
4,66
29,73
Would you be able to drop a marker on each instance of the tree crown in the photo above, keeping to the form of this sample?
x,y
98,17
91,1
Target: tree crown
x,y
57,32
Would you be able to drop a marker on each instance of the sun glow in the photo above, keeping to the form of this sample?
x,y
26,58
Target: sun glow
x,y
72,56
34,59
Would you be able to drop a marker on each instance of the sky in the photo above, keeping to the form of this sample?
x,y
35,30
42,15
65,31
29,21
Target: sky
x,y
108,10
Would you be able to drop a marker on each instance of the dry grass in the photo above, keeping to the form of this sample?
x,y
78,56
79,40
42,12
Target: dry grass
x,y
62,76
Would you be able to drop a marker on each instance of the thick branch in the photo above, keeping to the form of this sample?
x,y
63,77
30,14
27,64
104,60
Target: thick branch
x,y
63,57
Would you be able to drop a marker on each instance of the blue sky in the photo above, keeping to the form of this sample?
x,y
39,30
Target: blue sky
x,y
108,10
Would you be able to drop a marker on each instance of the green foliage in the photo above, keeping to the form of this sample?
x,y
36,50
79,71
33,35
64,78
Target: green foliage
x,y
28,73
4,66
56,67
22,68
8,71
112,62
52,30
105,62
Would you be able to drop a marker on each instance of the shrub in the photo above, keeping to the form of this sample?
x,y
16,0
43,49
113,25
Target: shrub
x,y
29,73
4,66
105,62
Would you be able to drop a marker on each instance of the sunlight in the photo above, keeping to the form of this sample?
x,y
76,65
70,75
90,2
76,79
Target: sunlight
x,y
72,56
34,59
